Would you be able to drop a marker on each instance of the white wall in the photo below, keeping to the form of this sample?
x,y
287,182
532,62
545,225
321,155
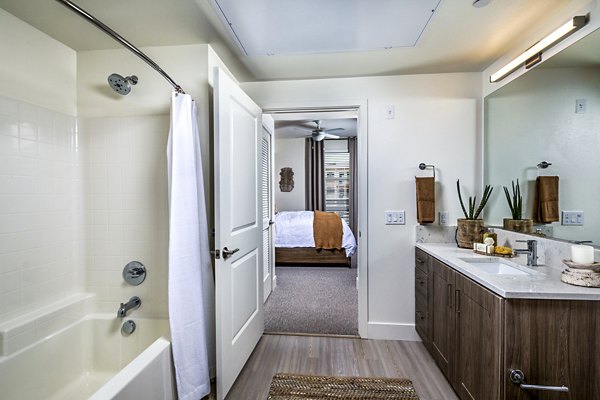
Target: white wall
x,y
436,122
36,68
126,213
39,181
290,153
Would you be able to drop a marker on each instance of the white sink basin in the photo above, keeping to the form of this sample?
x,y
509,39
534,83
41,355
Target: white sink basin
x,y
498,266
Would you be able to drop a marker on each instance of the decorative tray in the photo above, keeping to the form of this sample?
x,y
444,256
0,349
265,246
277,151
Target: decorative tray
x,y
595,266
494,254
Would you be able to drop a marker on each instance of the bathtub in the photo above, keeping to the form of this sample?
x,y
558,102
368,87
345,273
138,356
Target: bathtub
x,y
92,359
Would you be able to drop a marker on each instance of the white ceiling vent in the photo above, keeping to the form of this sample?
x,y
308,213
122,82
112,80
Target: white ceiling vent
x,y
273,27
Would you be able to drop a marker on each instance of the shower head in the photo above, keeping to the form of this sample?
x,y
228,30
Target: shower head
x,y
120,84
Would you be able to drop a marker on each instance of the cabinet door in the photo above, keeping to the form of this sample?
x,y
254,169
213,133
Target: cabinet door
x,y
554,343
478,341
441,299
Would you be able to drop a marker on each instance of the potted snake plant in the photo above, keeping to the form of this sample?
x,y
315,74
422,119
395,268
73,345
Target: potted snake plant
x,y
470,227
515,202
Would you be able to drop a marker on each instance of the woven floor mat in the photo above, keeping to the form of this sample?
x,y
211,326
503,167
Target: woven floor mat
x,y
310,387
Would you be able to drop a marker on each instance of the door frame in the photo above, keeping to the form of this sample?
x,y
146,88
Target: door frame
x,y
360,106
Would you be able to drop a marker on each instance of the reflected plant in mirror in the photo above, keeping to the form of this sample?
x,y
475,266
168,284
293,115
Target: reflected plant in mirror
x,y
550,113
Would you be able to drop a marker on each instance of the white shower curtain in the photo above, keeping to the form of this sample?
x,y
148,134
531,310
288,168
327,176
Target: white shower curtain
x,y
191,285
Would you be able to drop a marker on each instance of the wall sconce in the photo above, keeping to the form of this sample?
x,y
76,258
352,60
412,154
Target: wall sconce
x,y
533,55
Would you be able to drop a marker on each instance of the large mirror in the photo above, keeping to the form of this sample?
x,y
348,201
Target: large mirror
x,y
551,114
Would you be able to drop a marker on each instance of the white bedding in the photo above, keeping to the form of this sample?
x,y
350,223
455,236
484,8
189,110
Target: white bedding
x,y
295,229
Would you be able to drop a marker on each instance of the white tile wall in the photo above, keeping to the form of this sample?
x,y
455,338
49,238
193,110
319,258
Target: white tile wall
x,y
126,214
78,201
39,182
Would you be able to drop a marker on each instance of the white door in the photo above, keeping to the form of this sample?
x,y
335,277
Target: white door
x,y
238,228
268,127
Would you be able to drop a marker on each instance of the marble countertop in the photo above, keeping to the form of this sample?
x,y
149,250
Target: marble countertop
x,y
543,283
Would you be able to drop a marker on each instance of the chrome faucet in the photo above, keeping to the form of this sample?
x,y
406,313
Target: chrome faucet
x,y
133,304
531,252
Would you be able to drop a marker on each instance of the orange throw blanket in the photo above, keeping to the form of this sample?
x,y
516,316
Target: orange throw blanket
x,y
327,229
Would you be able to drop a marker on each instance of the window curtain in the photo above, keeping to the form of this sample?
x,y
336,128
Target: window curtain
x,y
315,175
353,186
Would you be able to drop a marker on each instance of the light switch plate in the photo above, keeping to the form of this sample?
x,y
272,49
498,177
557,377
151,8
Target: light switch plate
x,y
573,218
390,111
395,217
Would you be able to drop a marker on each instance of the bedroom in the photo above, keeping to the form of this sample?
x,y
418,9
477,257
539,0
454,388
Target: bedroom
x,y
314,166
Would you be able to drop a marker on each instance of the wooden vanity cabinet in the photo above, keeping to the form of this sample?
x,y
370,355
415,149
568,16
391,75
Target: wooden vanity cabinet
x,y
465,333
477,337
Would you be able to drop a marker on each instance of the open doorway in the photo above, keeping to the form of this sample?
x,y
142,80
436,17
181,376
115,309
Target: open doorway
x,y
314,169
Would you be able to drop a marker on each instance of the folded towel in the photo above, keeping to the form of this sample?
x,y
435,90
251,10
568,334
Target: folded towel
x,y
327,229
545,204
425,200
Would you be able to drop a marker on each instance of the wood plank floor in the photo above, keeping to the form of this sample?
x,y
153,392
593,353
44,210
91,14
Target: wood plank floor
x,y
333,356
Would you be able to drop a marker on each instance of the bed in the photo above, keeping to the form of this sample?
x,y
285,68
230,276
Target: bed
x,y
295,243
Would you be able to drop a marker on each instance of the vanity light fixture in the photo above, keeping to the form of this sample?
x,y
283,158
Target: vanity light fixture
x,y
533,55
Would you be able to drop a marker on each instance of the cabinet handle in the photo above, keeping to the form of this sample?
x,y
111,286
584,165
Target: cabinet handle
x,y
518,378
457,300
419,260
449,295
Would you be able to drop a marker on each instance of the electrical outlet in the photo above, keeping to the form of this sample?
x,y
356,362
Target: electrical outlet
x,y
572,218
580,106
443,217
394,217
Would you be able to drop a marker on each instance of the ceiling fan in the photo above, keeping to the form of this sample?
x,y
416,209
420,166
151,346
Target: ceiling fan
x,y
320,133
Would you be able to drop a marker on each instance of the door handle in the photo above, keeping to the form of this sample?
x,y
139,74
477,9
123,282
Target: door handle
x,y
457,301
271,222
518,378
228,253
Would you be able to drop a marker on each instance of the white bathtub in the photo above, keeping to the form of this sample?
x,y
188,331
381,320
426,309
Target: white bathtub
x,y
91,358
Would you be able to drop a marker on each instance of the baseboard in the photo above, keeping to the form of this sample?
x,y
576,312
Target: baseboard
x,y
274,281
392,331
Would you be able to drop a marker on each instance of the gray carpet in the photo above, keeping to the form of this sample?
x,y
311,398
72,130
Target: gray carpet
x,y
321,300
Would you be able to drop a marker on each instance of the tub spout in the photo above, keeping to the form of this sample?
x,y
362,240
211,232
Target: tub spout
x,y
133,304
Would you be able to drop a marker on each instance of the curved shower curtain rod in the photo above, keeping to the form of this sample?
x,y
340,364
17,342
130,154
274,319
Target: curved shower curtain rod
x,y
84,14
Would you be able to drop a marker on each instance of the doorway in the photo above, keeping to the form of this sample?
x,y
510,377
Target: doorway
x,y
315,168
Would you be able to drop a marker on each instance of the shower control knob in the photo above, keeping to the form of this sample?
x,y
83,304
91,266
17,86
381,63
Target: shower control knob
x,y
128,327
134,273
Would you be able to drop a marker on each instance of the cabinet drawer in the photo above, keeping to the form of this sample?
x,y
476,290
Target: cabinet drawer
x,y
420,283
421,324
421,260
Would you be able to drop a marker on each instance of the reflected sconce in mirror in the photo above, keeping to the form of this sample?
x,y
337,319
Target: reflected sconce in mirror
x,y
533,55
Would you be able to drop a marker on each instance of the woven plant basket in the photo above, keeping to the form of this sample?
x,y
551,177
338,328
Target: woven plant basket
x,y
469,232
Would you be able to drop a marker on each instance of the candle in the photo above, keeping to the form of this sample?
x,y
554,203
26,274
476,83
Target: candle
x,y
582,254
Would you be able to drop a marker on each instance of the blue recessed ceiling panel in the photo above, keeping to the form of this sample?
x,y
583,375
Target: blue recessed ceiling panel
x,y
277,27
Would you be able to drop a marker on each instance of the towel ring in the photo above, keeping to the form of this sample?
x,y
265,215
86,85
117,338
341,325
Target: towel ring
x,y
544,165
423,166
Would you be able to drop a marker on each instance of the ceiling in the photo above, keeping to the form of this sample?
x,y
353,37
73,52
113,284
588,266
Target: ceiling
x,y
458,37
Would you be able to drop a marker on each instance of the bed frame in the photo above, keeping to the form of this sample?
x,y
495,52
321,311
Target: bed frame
x,y
310,255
